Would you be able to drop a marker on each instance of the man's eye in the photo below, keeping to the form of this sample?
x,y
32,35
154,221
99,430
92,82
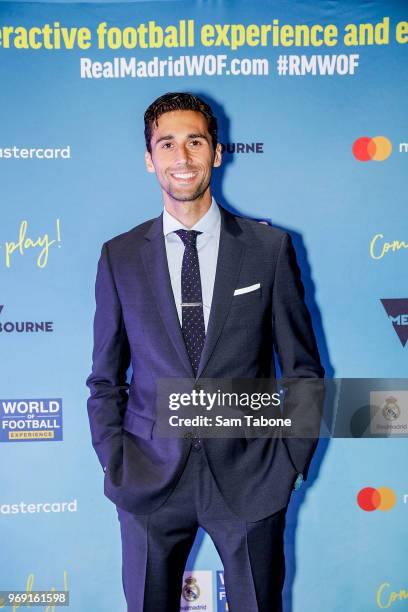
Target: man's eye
x,y
166,145
195,143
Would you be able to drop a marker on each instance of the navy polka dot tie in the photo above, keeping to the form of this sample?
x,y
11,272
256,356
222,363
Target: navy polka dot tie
x,y
191,297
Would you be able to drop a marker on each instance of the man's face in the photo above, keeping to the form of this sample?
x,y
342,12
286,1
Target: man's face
x,y
182,155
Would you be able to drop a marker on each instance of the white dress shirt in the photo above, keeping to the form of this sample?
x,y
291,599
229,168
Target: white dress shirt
x,y
207,248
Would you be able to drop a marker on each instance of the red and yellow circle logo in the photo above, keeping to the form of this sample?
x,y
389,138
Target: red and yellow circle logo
x,y
378,148
370,499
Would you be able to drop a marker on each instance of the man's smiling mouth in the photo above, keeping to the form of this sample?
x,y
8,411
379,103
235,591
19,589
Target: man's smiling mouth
x,y
184,175
184,178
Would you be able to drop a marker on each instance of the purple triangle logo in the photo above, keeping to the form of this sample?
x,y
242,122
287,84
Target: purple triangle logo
x,y
397,311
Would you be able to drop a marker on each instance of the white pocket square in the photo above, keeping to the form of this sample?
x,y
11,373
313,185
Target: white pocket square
x,y
247,289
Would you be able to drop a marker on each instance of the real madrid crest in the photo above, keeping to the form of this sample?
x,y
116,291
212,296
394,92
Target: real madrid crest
x,y
191,590
390,409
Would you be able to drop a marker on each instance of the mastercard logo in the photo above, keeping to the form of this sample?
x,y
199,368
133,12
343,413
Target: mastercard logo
x,y
370,499
376,149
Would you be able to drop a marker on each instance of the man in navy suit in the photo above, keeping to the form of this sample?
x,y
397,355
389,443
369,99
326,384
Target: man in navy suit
x,y
195,293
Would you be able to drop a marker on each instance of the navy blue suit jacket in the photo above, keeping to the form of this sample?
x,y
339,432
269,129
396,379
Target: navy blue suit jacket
x,y
136,324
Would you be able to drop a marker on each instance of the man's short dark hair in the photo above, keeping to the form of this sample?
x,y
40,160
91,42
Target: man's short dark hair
x,y
175,101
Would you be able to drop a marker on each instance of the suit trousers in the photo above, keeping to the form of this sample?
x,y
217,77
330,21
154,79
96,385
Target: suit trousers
x,y
155,547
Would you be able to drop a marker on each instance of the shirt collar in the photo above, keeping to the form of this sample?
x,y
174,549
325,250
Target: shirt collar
x,y
208,224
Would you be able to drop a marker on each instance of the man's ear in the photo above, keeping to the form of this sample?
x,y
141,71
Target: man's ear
x,y
217,156
149,162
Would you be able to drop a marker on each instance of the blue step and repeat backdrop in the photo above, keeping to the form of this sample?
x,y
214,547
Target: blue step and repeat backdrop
x,y
312,100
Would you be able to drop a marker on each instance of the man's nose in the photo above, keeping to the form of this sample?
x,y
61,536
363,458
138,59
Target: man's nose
x,y
182,155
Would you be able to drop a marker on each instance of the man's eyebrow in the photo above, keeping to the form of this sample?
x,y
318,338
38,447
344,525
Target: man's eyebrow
x,y
171,137
166,137
198,135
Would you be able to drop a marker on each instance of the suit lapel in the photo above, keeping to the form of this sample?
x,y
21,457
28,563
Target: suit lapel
x,y
155,261
230,255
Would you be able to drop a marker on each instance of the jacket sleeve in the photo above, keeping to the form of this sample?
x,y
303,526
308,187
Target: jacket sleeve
x,y
111,359
298,357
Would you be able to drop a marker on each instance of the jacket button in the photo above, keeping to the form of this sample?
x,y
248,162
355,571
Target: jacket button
x,y
196,443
